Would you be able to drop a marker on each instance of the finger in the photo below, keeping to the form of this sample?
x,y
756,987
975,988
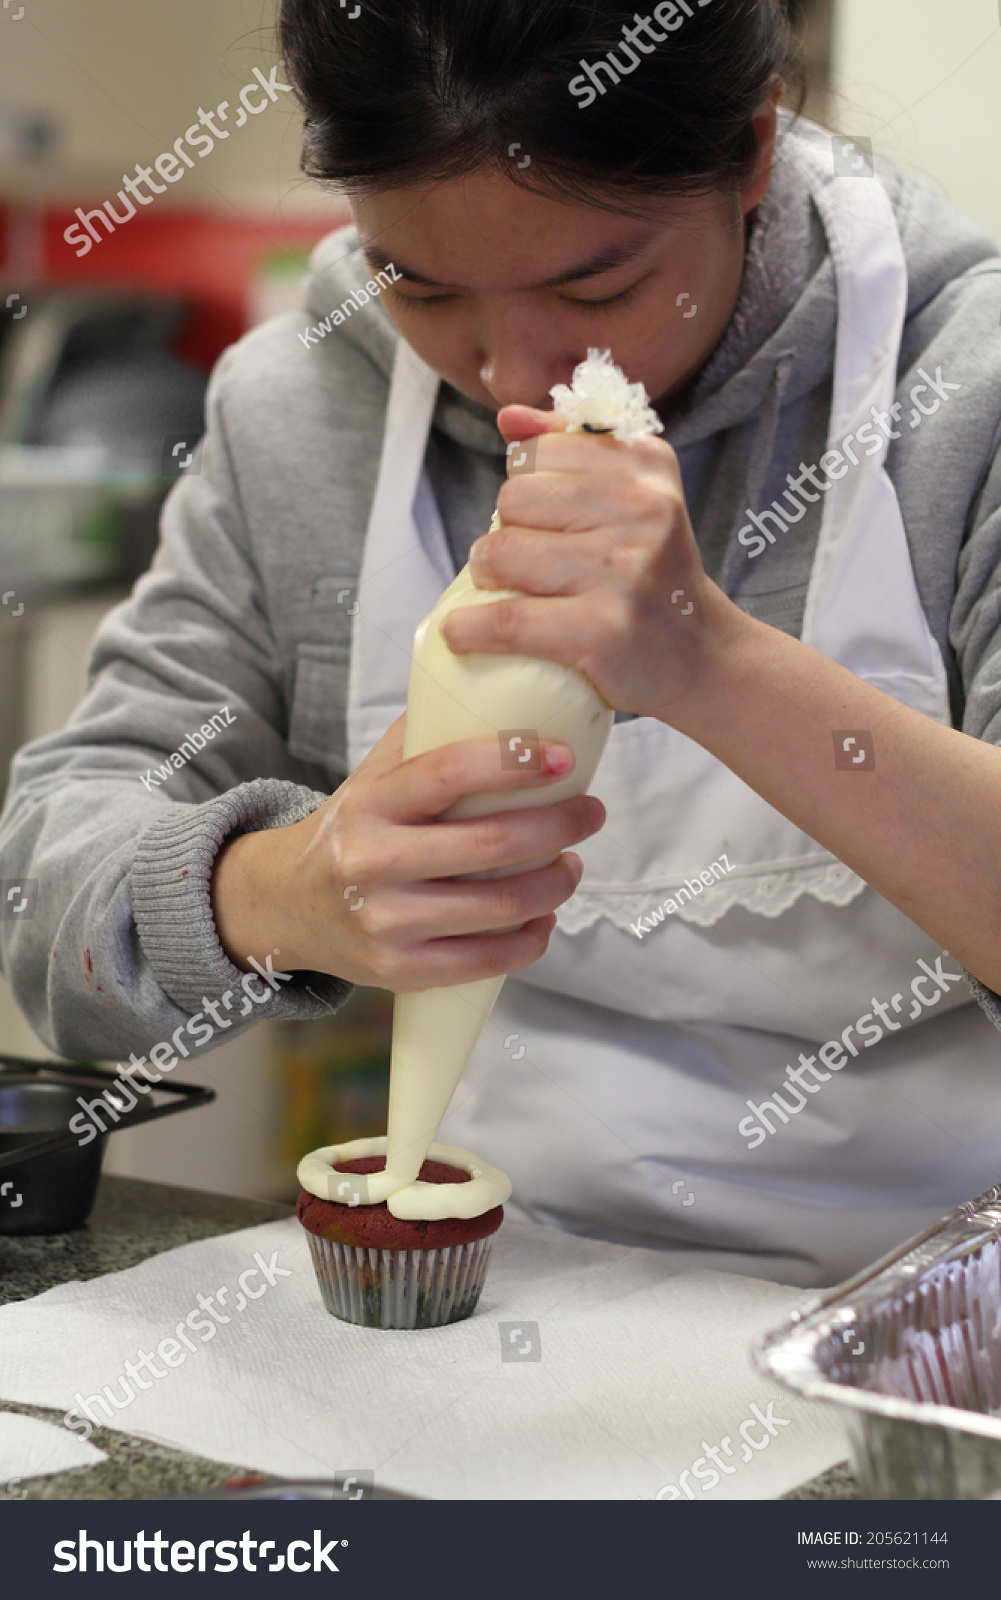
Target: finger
x,y
538,563
596,452
564,452
550,629
453,909
487,844
443,963
528,422
558,499
426,785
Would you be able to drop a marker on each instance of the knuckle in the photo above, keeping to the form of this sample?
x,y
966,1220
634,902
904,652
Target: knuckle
x,y
497,548
640,497
383,968
490,838
656,453
349,862
510,498
449,767
505,620
511,902
365,920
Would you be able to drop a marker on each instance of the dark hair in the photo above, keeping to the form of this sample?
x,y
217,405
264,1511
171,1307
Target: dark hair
x,y
410,91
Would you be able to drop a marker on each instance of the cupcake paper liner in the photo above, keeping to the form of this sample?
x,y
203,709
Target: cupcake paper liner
x,y
400,1288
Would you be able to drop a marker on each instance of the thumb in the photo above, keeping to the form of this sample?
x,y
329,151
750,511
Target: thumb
x,y
525,422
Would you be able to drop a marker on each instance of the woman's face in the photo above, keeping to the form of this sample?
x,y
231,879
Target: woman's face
x,y
502,291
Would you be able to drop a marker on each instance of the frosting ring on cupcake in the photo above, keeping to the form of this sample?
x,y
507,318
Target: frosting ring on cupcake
x,y
409,1201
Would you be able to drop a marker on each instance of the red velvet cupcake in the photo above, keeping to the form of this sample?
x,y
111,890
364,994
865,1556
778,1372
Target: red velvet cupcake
x,y
380,1271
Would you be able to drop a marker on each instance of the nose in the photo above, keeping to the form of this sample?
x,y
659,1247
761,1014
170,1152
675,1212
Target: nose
x,y
515,382
519,366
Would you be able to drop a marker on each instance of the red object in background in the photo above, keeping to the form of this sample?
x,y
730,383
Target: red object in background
x,y
210,259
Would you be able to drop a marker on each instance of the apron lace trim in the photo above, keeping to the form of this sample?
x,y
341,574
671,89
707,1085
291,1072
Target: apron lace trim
x,y
767,891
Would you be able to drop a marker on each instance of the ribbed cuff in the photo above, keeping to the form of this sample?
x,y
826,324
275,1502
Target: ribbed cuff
x,y
985,998
172,907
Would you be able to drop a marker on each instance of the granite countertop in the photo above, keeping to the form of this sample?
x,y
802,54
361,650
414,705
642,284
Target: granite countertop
x,y
130,1221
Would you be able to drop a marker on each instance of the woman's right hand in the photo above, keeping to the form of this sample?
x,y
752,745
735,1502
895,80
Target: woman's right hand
x,y
373,888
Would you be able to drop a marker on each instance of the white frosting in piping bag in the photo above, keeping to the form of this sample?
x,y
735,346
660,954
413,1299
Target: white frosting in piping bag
x,y
453,698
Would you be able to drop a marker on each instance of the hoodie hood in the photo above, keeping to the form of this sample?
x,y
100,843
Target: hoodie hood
x,y
779,344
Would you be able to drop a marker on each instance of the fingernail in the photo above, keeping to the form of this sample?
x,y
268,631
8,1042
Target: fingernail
x,y
575,861
557,758
595,810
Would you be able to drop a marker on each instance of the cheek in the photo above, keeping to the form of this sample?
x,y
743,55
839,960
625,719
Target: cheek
x,y
673,334
446,341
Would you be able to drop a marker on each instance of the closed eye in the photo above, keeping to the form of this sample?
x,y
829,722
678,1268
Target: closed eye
x,y
612,302
420,299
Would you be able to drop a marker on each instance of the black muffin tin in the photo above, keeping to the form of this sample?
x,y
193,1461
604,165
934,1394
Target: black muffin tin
x,y
48,1179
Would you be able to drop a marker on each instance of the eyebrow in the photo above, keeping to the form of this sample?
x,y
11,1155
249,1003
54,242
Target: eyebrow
x,y
602,261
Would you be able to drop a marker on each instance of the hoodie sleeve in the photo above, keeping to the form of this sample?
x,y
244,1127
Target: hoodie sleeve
x,y
115,822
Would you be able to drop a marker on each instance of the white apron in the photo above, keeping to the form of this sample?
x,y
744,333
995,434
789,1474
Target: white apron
x,y
612,1076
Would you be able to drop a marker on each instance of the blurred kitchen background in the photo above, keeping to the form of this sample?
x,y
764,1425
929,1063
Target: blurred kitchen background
x,y
104,359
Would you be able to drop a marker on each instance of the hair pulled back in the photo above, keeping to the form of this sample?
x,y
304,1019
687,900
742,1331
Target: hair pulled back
x,y
412,91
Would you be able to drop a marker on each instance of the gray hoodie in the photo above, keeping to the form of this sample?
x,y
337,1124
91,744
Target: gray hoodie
x,y
247,606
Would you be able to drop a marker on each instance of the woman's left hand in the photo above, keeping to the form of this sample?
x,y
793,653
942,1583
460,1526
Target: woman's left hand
x,y
597,540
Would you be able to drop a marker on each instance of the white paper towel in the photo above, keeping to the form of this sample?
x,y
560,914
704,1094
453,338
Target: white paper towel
x,y
637,1368
31,1448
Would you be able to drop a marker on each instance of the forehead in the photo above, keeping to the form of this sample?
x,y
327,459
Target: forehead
x,y
483,232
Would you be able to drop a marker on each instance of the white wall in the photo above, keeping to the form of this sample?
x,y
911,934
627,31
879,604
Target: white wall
x,y
124,78
922,79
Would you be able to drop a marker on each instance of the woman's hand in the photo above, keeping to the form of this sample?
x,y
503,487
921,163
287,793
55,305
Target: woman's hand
x,y
373,887
598,541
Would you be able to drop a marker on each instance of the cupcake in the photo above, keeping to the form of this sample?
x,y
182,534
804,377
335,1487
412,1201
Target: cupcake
x,y
382,1270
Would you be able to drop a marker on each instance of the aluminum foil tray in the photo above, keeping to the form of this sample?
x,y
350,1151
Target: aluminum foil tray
x,y
911,1349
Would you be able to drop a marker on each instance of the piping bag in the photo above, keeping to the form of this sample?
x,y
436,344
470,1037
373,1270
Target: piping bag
x,y
519,700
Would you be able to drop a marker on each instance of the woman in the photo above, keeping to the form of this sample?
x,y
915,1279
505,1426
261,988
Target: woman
x,y
789,600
